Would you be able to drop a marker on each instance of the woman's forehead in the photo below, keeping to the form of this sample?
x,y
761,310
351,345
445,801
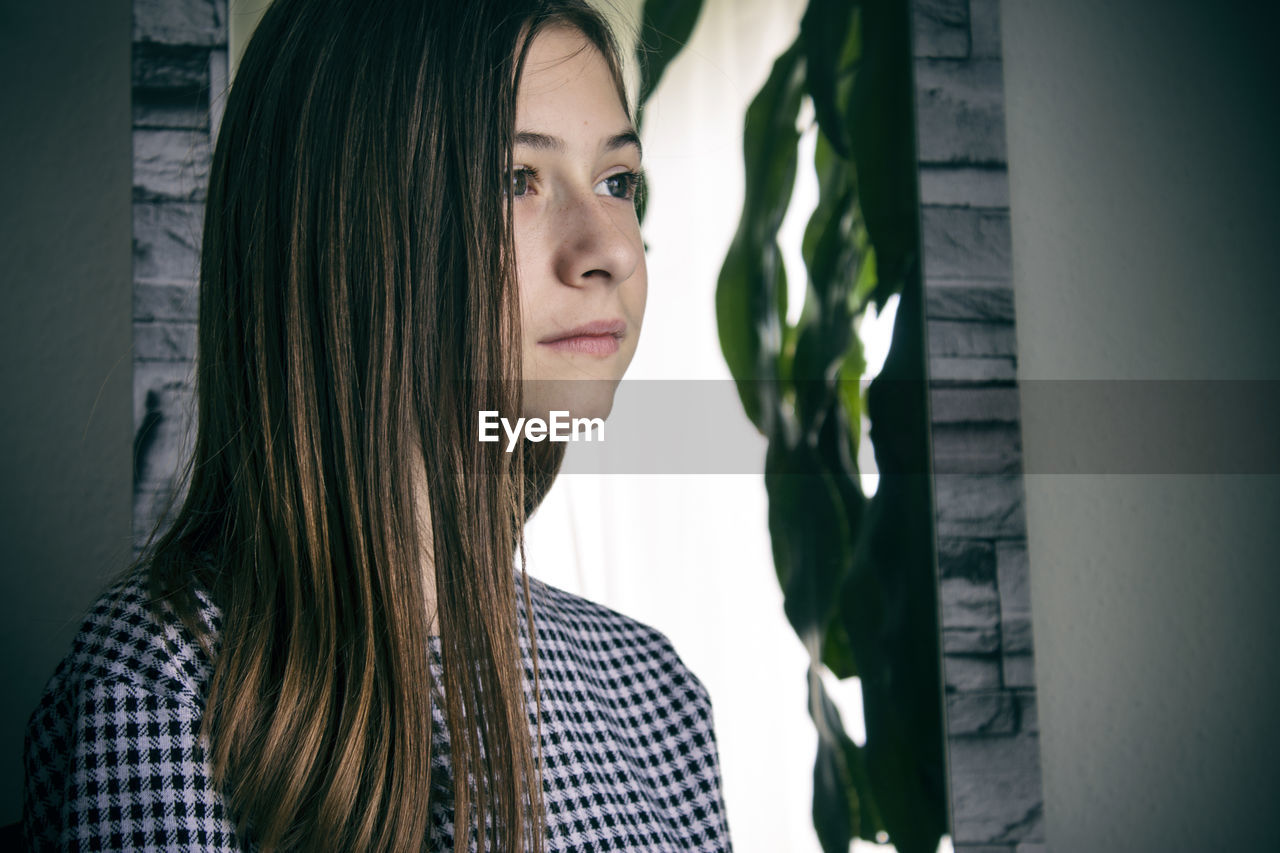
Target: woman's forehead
x,y
562,63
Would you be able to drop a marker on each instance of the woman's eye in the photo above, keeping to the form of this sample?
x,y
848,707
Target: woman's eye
x,y
622,185
520,178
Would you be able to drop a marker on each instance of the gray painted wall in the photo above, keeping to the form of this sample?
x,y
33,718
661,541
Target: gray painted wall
x,y
1142,142
65,368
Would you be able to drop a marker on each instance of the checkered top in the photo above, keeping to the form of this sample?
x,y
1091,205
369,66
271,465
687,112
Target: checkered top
x,y
114,760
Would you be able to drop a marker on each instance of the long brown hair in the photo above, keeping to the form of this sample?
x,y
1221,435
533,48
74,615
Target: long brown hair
x,y
358,307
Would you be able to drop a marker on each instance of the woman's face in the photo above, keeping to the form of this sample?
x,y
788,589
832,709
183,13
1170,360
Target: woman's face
x,y
579,255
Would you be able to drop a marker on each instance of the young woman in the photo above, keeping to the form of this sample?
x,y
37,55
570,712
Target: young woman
x,y
417,211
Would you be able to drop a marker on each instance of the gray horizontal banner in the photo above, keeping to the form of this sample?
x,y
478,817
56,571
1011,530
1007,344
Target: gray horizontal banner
x,y
1151,426
1076,427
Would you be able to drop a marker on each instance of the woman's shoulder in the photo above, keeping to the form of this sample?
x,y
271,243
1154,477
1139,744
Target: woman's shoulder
x,y
621,711
562,610
129,637
635,654
119,722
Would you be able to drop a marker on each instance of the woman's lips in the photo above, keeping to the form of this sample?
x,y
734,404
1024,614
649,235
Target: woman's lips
x,y
588,344
601,337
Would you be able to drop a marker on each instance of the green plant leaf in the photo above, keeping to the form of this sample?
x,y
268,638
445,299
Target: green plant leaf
x,y
835,812
751,289
810,535
837,654
889,603
787,355
881,126
664,30
827,346
844,802
831,249
857,576
867,281
838,455
830,33
850,394
750,333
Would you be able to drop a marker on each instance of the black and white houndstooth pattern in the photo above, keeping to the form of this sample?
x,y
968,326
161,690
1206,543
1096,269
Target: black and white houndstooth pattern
x,y
114,761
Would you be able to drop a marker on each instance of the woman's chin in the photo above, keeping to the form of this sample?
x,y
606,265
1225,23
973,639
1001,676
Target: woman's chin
x,y
579,398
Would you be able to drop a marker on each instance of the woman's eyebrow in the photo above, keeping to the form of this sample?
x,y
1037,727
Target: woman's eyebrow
x,y
622,140
546,142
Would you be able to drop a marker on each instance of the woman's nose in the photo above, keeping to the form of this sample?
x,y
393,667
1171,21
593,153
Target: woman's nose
x,y
595,242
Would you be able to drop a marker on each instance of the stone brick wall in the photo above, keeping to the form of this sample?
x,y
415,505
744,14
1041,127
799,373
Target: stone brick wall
x,y
993,741
179,75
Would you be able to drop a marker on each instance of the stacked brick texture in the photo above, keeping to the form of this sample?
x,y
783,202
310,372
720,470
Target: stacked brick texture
x,y
179,79
993,740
